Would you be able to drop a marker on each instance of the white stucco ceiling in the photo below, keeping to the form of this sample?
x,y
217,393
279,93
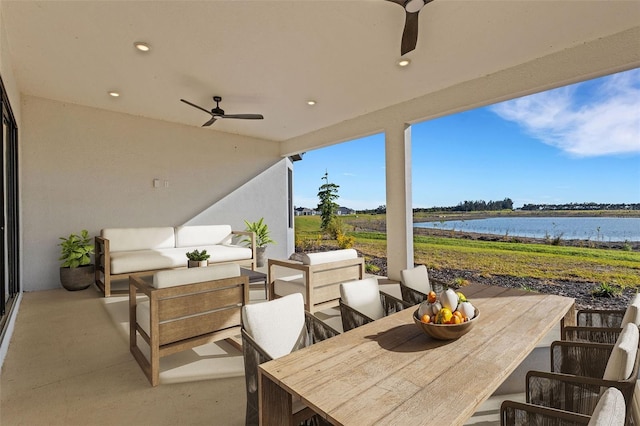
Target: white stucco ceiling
x,y
270,57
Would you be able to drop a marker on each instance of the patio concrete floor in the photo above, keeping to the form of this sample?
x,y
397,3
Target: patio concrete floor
x,y
68,365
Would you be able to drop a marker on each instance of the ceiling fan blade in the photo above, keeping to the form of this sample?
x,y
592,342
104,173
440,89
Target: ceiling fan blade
x,y
244,116
210,122
196,106
410,34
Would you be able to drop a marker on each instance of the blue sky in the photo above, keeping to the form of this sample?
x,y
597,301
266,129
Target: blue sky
x,y
579,143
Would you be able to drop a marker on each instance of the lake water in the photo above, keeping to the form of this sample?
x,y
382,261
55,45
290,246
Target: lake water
x,y
567,228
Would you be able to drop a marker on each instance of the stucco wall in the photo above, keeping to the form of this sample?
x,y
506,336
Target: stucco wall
x,y
84,168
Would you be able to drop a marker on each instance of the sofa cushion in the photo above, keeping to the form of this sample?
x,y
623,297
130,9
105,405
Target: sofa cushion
x,y
227,253
143,316
146,260
127,239
623,356
175,277
193,236
328,256
416,278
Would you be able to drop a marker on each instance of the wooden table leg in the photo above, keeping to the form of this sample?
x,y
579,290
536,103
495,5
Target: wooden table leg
x,y
275,403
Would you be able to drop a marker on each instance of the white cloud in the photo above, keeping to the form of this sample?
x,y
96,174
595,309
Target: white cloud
x,y
596,118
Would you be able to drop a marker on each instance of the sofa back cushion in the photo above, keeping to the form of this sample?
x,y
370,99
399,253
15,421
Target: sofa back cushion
x,y
328,256
204,235
128,239
175,277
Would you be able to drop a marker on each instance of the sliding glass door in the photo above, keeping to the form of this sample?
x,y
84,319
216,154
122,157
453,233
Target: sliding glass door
x,y
9,214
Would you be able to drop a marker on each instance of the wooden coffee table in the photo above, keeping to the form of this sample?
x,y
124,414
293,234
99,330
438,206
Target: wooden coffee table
x,y
256,278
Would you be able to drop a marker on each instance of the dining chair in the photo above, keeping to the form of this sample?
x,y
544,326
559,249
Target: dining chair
x,y
362,302
579,370
271,330
602,325
609,411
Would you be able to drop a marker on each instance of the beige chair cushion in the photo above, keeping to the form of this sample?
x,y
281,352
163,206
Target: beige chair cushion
x,y
363,296
623,356
328,256
416,278
275,325
632,314
610,410
175,277
635,404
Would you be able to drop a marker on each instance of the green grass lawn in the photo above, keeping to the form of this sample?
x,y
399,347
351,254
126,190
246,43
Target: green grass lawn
x,y
489,258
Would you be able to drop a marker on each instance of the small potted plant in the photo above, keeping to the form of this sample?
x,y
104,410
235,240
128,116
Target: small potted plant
x,y
76,271
197,258
261,230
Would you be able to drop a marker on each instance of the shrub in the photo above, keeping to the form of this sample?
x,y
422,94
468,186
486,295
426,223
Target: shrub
x,y
335,228
345,241
606,290
371,268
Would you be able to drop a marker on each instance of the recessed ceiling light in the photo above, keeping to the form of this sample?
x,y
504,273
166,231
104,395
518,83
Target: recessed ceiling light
x,y
114,94
404,62
142,46
311,102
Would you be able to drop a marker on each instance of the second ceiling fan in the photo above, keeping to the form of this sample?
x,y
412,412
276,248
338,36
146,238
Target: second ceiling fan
x,y
410,34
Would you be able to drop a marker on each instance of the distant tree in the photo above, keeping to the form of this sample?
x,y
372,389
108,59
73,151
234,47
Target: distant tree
x,y
327,193
382,209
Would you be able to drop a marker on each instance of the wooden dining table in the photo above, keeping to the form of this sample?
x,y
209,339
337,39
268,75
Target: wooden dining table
x,y
389,372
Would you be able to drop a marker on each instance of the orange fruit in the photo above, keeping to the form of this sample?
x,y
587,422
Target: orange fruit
x,y
458,314
425,319
455,319
431,297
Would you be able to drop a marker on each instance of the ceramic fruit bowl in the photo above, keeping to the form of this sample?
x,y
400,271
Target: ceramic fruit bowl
x,y
446,331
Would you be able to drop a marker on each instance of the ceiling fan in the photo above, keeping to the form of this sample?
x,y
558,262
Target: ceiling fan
x,y
410,33
218,112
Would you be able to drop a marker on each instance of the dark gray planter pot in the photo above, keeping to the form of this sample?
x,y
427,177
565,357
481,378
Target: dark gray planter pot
x,y
260,257
77,278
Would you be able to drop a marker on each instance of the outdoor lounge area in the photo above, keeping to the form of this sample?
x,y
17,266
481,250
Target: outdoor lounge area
x,y
113,119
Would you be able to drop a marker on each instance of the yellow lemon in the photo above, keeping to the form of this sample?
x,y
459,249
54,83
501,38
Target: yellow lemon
x,y
461,297
444,316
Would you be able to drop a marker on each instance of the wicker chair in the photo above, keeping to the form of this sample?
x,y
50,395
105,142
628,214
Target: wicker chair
x,y
609,410
415,285
600,325
579,370
362,302
274,329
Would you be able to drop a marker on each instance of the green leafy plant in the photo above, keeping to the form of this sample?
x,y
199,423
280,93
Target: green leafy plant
x,y
76,250
606,290
262,233
198,256
370,268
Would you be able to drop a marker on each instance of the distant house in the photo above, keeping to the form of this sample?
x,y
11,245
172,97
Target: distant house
x,y
345,210
304,211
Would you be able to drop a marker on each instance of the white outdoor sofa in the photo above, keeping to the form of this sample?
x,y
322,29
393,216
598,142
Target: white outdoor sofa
x,y
120,252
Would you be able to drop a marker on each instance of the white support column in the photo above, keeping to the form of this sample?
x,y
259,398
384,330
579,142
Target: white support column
x,y
399,203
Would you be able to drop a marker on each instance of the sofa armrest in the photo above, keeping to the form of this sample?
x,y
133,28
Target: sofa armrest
x,y
252,238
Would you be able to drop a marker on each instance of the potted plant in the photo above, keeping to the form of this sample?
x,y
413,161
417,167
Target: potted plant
x,y
76,271
261,230
197,258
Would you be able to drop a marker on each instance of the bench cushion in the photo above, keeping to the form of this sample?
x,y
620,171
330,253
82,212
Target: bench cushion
x,y
175,277
146,260
128,239
328,256
193,236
